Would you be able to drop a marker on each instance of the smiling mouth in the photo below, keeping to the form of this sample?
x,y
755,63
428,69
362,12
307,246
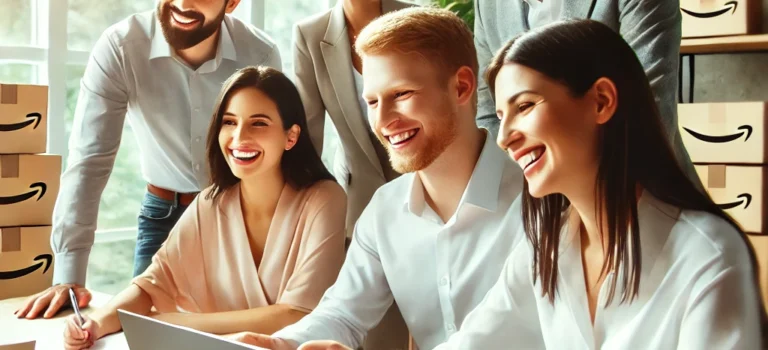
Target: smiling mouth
x,y
402,138
530,158
182,20
244,157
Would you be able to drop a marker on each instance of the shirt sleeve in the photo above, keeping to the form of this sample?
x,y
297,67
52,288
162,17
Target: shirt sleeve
x,y
355,303
322,250
164,278
724,312
96,133
653,30
486,108
507,316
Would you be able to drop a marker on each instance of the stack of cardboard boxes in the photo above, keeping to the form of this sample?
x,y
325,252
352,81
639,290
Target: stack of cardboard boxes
x,y
727,141
29,184
728,145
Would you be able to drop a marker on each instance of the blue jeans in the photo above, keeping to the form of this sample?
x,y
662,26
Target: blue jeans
x,y
156,219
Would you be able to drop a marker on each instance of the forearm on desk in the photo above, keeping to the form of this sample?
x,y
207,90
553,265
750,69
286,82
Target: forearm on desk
x,y
132,299
264,320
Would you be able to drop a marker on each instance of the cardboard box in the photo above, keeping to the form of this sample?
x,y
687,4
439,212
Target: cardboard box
x,y
740,191
724,132
760,245
29,185
702,18
26,261
30,345
23,118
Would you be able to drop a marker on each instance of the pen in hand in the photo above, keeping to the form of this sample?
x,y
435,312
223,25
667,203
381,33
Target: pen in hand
x,y
76,307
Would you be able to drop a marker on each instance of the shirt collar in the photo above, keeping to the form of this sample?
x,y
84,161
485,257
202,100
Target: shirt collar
x,y
225,49
656,220
160,47
483,187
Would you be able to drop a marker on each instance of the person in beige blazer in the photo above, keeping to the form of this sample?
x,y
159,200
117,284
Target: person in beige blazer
x,y
328,76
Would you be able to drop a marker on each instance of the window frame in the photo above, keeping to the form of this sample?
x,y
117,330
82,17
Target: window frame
x,y
49,53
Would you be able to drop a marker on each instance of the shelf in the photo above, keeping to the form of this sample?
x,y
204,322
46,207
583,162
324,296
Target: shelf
x,y
725,44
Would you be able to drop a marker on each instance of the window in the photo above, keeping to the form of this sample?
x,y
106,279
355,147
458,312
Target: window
x,y
15,28
48,42
87,19
17,73
280,19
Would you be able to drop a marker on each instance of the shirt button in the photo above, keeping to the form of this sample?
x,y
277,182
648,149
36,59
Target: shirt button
x,y
197,167
444,281
197,139
450,327
197,109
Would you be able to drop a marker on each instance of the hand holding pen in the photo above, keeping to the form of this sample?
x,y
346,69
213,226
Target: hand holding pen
x,y
79,329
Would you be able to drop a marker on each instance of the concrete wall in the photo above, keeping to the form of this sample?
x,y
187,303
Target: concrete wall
x,y
730,77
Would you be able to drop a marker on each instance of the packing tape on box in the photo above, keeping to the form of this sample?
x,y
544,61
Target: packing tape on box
x,y
10,239
716,176
717,113
9,94
9,166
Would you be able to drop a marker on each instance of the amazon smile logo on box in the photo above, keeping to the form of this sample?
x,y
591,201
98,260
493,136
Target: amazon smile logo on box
x,y
708,18
29,185
26,260
729,6
37,187
722,139
23,118
31,118
746,199
46,261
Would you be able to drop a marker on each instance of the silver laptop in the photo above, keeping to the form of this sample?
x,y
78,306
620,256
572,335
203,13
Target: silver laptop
x,y
144,333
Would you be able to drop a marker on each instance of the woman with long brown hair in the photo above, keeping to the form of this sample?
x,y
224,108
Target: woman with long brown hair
x,y
623,252
257,249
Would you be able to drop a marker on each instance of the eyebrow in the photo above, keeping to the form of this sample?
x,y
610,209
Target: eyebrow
x,y
258,115
517,95
514,97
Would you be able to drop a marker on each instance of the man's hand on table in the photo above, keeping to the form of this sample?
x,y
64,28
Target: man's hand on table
x,y
271,343
323,345
262,341
51,301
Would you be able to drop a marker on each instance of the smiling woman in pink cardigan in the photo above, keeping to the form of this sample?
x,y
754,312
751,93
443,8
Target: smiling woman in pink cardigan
x,y
258,248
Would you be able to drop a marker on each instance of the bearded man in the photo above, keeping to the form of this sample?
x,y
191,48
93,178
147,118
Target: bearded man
x,y
163,69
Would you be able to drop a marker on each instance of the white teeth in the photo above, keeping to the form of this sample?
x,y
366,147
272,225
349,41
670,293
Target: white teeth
x,y
241,154
394,139
530,157
181,19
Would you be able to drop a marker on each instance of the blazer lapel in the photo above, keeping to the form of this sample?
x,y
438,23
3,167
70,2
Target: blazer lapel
x,y
579,9
338,61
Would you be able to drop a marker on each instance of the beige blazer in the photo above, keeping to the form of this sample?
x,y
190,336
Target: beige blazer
x,y
206,264
324,78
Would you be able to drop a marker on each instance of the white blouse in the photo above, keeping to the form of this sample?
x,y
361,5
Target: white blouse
x,y
696,292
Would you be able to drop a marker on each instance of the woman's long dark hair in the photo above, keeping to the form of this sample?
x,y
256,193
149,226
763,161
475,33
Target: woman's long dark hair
x,y
634,149
301,165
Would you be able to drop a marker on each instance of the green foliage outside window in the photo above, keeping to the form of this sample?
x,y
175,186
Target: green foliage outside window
x,y
463,8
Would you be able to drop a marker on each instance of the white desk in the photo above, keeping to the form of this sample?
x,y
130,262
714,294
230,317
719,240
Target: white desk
x,y
48,333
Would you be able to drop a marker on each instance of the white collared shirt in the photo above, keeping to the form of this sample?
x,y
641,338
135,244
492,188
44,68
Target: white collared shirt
x,y
436,272
696,292
132,72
